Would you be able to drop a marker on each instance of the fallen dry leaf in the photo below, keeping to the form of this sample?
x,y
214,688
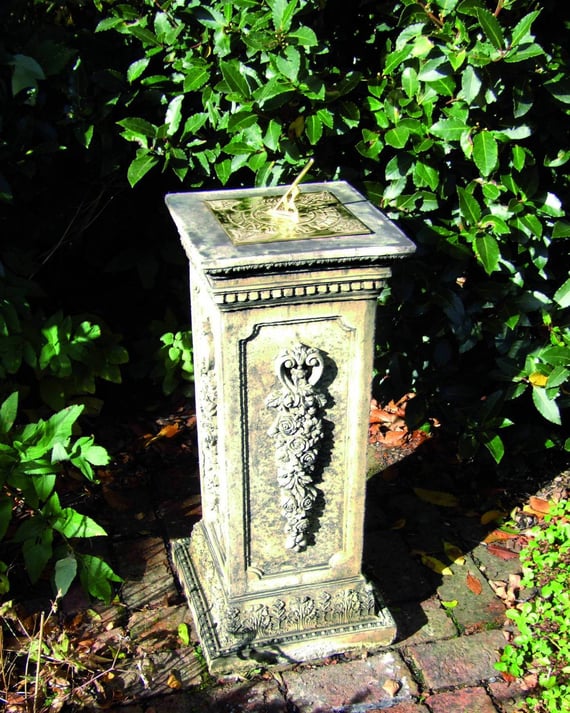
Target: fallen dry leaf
x,y
436,565
492,516
392,687
168,431
453,553
540,504
498,536
501,552
437,497
174,681
474,584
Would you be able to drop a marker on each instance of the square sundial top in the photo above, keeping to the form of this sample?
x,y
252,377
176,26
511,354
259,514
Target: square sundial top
x,y
234,230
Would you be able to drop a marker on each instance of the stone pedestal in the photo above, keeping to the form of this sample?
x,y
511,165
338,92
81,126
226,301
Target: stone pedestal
x,y
283,328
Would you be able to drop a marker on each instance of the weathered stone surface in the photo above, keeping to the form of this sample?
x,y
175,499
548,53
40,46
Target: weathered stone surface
x,y
354,682
422,622
465,700
283,356
262,696
459,662
508,697
495,568
477,605
400,577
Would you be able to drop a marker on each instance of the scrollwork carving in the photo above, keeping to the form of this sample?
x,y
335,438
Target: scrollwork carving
x,y
297,432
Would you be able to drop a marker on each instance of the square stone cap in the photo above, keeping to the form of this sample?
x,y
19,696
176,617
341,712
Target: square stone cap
x,y
210,249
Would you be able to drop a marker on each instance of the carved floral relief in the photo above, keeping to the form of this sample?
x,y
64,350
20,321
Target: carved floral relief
x,y
297,433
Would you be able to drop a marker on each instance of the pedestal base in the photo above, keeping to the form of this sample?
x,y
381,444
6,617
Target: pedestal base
x,y
288,625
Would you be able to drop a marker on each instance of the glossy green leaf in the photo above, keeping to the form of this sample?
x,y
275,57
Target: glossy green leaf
x,y
395,59
96,576
410,82
562,295
37,553
485,152
556,356
496,447
397,137
313,128
64,574
449,129
491,27
174,114
196,77
303,36
137,68
234,78
8,412
138,126
488,252
469,207
521,30
546,406
70,523
289,64
223,170
470,85
140,166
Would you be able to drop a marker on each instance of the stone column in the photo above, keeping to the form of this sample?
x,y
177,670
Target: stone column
x,y
283,317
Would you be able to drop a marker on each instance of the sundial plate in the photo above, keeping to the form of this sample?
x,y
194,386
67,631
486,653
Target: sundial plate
x,y
248,220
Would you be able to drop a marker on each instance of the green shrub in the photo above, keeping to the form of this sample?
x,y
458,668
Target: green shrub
x,y
31,459
65,354
542,645
450,116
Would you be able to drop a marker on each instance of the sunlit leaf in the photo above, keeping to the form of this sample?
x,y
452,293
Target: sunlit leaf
x,y
65,572
491,27
436,565
546,406
453,553
485,152
451,604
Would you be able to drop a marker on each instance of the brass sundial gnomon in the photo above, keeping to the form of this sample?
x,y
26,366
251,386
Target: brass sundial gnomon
x,y
291,216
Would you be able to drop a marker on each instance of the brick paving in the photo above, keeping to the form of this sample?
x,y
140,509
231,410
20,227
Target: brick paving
x,y
449,627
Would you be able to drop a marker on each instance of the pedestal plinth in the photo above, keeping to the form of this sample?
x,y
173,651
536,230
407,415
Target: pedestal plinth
x,y
283,328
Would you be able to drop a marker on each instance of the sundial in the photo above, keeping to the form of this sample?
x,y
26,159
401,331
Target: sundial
x,y
293,216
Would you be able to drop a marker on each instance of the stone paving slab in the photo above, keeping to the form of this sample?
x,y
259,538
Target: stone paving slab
x,y
465,661
422,622
465,700
509,696
399,576
353,683
494,567
264,696
477,605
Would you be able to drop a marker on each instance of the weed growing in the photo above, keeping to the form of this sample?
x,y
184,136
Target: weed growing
x,y
542,646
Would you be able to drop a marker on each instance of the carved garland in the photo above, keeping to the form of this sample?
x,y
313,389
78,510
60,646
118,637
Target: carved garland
x,y
297,432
